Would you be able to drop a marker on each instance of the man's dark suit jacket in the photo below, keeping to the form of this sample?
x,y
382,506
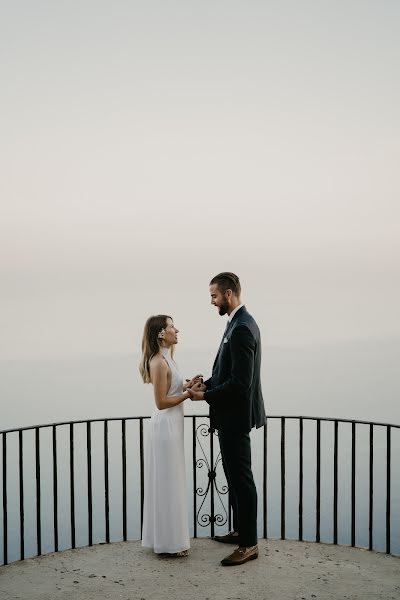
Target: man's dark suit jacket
x,y
234,389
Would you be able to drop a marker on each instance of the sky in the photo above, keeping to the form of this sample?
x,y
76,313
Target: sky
x,y
147,146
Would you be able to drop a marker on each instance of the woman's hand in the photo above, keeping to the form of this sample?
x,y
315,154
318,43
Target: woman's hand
x,y
191,382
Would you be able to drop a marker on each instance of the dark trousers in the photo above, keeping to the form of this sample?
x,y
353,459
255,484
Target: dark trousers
x,y
236,460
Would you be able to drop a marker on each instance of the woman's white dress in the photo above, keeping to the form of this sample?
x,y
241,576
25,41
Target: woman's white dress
x,y
165,512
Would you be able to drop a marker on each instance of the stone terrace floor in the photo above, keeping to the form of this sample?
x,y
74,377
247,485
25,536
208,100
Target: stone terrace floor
x,y
285,570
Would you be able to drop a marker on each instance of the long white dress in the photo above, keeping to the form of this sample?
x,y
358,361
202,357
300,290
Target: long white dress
x,y
165,512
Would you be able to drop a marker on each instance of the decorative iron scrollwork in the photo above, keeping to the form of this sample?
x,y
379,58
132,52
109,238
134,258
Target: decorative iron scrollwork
x,y
204,519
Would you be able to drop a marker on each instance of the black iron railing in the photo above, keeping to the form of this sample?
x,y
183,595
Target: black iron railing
x,y
55,462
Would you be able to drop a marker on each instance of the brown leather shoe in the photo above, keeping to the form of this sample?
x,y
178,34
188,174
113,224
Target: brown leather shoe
x,y
240,556
230,538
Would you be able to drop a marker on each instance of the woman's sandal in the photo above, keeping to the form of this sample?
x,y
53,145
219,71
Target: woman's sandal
x,y
182,553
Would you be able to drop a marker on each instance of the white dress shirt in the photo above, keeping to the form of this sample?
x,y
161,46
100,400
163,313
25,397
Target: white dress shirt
x,y
234,312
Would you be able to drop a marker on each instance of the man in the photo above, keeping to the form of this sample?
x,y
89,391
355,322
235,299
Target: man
x,y
236,406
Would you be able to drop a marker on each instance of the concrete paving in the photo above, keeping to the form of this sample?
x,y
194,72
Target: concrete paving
x,y
285,570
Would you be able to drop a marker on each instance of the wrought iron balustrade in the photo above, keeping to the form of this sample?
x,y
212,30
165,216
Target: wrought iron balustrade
x,y
296,459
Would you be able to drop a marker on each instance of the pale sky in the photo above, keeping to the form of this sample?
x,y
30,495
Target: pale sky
x,y
146,146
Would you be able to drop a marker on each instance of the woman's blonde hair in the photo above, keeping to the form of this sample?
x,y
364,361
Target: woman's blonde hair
x,y
150,344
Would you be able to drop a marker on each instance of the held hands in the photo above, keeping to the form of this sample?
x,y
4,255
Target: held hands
x,y
196,391
195,387
189,383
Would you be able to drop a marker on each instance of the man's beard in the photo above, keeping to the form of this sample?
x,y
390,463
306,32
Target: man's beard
x,y
223,309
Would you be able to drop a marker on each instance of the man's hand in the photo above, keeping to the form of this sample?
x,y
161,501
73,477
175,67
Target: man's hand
x,y
196,392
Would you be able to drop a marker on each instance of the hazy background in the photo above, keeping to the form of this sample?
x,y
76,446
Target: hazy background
x,y
146,146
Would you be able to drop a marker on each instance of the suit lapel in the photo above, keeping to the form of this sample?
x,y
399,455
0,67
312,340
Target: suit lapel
x,y
222,342
227,329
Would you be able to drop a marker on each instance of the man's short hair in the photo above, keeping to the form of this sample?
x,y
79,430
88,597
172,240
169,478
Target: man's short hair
x,y
227,281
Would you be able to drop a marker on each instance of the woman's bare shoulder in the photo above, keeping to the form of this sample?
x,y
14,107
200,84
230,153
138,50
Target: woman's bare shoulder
x,y
158,369
158,363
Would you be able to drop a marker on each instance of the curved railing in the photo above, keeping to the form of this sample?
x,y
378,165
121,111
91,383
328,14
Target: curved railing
x,y
79,483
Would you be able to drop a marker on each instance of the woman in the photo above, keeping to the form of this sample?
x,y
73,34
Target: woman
x,y
165,514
